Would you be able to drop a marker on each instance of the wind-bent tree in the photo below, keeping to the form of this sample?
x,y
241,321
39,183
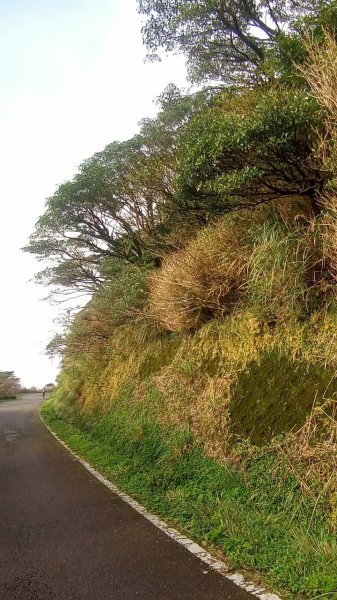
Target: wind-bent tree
x,y
250,148
95,216
115,207
224,40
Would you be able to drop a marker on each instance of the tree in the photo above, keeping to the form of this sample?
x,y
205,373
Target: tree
x,y
9,384
224,40
95,216
249,148
116,205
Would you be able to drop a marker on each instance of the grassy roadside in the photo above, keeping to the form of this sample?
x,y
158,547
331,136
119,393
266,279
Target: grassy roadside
x,y
253,513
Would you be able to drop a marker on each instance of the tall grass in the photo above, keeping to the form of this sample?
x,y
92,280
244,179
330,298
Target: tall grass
x,y
203,281
320,73
279,271
286,271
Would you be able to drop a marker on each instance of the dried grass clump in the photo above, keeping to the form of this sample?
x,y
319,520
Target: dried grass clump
x,y
203,281
320,72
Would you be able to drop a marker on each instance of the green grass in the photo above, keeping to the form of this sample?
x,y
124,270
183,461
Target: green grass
x,y
254,514
276,395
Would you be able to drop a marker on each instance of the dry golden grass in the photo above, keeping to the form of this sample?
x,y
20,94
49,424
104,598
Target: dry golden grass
x,y
202,403
320,72
311,454
285,270
203,281
326,228
281,271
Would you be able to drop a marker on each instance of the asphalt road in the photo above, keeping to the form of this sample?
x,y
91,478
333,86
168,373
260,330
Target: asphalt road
x,y
65,536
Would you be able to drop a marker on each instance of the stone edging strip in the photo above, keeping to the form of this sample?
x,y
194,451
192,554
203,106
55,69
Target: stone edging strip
x,y
201,553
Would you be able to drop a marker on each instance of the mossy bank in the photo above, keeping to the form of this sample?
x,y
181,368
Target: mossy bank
x,y
166,418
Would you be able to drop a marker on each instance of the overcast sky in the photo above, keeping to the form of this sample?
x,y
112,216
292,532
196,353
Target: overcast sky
x,y
72,79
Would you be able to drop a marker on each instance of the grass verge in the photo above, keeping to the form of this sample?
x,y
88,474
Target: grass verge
x,y
6,398
254,513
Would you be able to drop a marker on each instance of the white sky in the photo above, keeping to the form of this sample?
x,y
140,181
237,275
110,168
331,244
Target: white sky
x,y
72,79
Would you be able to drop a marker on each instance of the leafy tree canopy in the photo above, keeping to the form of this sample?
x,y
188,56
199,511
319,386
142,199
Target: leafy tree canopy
x,y
217,150
224,40
248,148
115,206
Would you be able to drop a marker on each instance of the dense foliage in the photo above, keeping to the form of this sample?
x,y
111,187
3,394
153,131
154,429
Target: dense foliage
x,y
250,148
117,206
225,41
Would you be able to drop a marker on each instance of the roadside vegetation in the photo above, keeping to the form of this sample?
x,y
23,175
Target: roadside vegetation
x,y
201,375
9,385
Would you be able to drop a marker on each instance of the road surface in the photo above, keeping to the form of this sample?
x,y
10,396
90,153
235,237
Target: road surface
x,y
65,536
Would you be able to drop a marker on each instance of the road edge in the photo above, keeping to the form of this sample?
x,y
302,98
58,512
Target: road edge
x,y
190,545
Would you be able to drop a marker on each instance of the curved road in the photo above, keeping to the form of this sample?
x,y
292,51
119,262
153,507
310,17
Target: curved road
x,y
65,536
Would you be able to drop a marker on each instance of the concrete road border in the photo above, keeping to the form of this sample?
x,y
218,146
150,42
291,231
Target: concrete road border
x,y
193,547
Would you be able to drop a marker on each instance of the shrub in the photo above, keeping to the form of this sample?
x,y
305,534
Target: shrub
x,y
118,301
